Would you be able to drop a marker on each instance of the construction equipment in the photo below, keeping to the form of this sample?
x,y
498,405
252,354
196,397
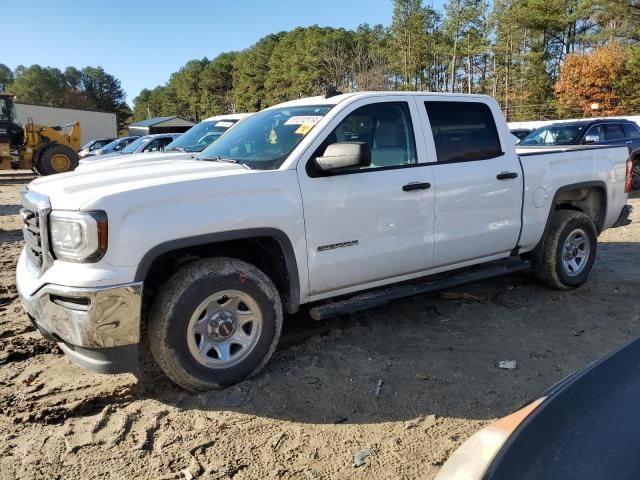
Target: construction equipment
x,y
46,150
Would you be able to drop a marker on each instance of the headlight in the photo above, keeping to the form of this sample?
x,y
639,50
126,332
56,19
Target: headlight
x,y
475,456
78,236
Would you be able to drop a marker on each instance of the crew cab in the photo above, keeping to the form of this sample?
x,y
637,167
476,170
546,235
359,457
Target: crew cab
x,y
320,202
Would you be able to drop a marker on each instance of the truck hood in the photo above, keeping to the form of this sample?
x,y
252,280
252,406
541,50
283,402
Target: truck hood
x,y
75,190
109,161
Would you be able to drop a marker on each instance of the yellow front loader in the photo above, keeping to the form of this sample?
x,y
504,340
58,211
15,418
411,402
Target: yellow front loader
x,y
47,150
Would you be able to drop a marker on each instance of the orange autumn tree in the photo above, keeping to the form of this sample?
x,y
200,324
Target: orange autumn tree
x,y
591,78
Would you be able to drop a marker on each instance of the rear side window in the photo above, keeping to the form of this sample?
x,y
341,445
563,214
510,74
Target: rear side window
x,y
613,131
463,131
630,131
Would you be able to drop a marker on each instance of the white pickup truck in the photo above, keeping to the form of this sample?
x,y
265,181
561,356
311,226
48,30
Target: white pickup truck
x,y
321,202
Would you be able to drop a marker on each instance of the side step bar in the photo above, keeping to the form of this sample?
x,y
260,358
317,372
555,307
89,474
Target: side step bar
x,y
382,296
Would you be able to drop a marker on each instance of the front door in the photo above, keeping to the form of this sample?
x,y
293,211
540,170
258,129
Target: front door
x,y
373,223
478,183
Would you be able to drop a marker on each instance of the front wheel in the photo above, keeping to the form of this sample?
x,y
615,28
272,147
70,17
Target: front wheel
x,y
565,258
215,323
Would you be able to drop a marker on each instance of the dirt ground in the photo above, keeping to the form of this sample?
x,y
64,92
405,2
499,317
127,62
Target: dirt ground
x,y
315,405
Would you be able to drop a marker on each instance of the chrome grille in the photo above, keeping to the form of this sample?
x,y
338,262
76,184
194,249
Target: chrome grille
x,y
36,208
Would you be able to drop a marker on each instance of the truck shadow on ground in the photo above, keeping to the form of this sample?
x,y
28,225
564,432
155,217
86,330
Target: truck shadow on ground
x,y
434,354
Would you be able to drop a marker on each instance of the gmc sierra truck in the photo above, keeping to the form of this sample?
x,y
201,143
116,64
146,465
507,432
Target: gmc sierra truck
x,y
341,203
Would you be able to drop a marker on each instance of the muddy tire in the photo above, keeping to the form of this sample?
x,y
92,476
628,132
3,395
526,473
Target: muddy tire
x,y
57,159
565,258
215,323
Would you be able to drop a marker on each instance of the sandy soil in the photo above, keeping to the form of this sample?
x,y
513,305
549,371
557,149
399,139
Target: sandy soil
x,y
315,405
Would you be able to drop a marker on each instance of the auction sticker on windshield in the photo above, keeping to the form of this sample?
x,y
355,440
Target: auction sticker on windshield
x,y
224,124
304,120
304,128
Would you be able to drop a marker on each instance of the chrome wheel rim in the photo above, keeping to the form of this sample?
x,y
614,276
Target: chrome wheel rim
x,y
224,329
635,177
575,252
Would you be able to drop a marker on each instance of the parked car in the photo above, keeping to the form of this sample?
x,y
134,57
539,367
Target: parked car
x,y
93,145
583,427
145,144
590,132
186,146
521,133
301,203
113,147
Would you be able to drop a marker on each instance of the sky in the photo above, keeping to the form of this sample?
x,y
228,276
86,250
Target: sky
x,y
141,42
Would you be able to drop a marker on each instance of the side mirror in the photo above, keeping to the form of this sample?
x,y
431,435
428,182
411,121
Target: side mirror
x,y
338,156
590,139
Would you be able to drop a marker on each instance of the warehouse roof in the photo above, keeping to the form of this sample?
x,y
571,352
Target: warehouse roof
x,y
163,121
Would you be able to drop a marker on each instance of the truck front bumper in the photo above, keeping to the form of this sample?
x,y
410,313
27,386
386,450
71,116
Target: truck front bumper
x,y
98,328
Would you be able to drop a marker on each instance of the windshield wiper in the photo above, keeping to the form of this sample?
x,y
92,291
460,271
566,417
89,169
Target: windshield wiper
x,y
177,149
218,158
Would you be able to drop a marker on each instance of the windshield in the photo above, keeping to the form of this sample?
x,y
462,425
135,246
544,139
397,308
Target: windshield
x,y
112,145
201,136
554,135
135,145
265,140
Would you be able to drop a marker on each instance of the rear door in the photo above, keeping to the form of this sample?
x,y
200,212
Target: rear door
x,y
613,134
370,224
478,182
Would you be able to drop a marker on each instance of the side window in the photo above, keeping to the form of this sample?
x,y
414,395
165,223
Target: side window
x,y
596,131
613,131
463,131
386,127
163,142
630,131
154,146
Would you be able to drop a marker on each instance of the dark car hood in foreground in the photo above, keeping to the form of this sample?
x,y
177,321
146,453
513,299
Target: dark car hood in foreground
x,y
589,428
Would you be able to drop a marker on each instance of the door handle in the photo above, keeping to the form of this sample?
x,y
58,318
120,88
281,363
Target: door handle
x,y
507,175
410,187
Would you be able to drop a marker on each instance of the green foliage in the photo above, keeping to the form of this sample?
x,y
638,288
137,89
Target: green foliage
x,y
217,86
251,69
627,84
300,64
91,88
6,77
39,85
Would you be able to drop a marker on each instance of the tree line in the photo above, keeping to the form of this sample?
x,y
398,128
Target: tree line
x,y
88,89
539,58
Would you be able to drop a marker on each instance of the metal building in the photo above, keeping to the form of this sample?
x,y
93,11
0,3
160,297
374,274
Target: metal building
x,y
160,125
93,124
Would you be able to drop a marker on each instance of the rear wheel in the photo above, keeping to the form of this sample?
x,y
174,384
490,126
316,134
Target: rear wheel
x,y
568,251
215,323
57,159
635,175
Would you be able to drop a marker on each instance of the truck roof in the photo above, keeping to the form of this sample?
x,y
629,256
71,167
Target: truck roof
x,y
582,123
334,100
